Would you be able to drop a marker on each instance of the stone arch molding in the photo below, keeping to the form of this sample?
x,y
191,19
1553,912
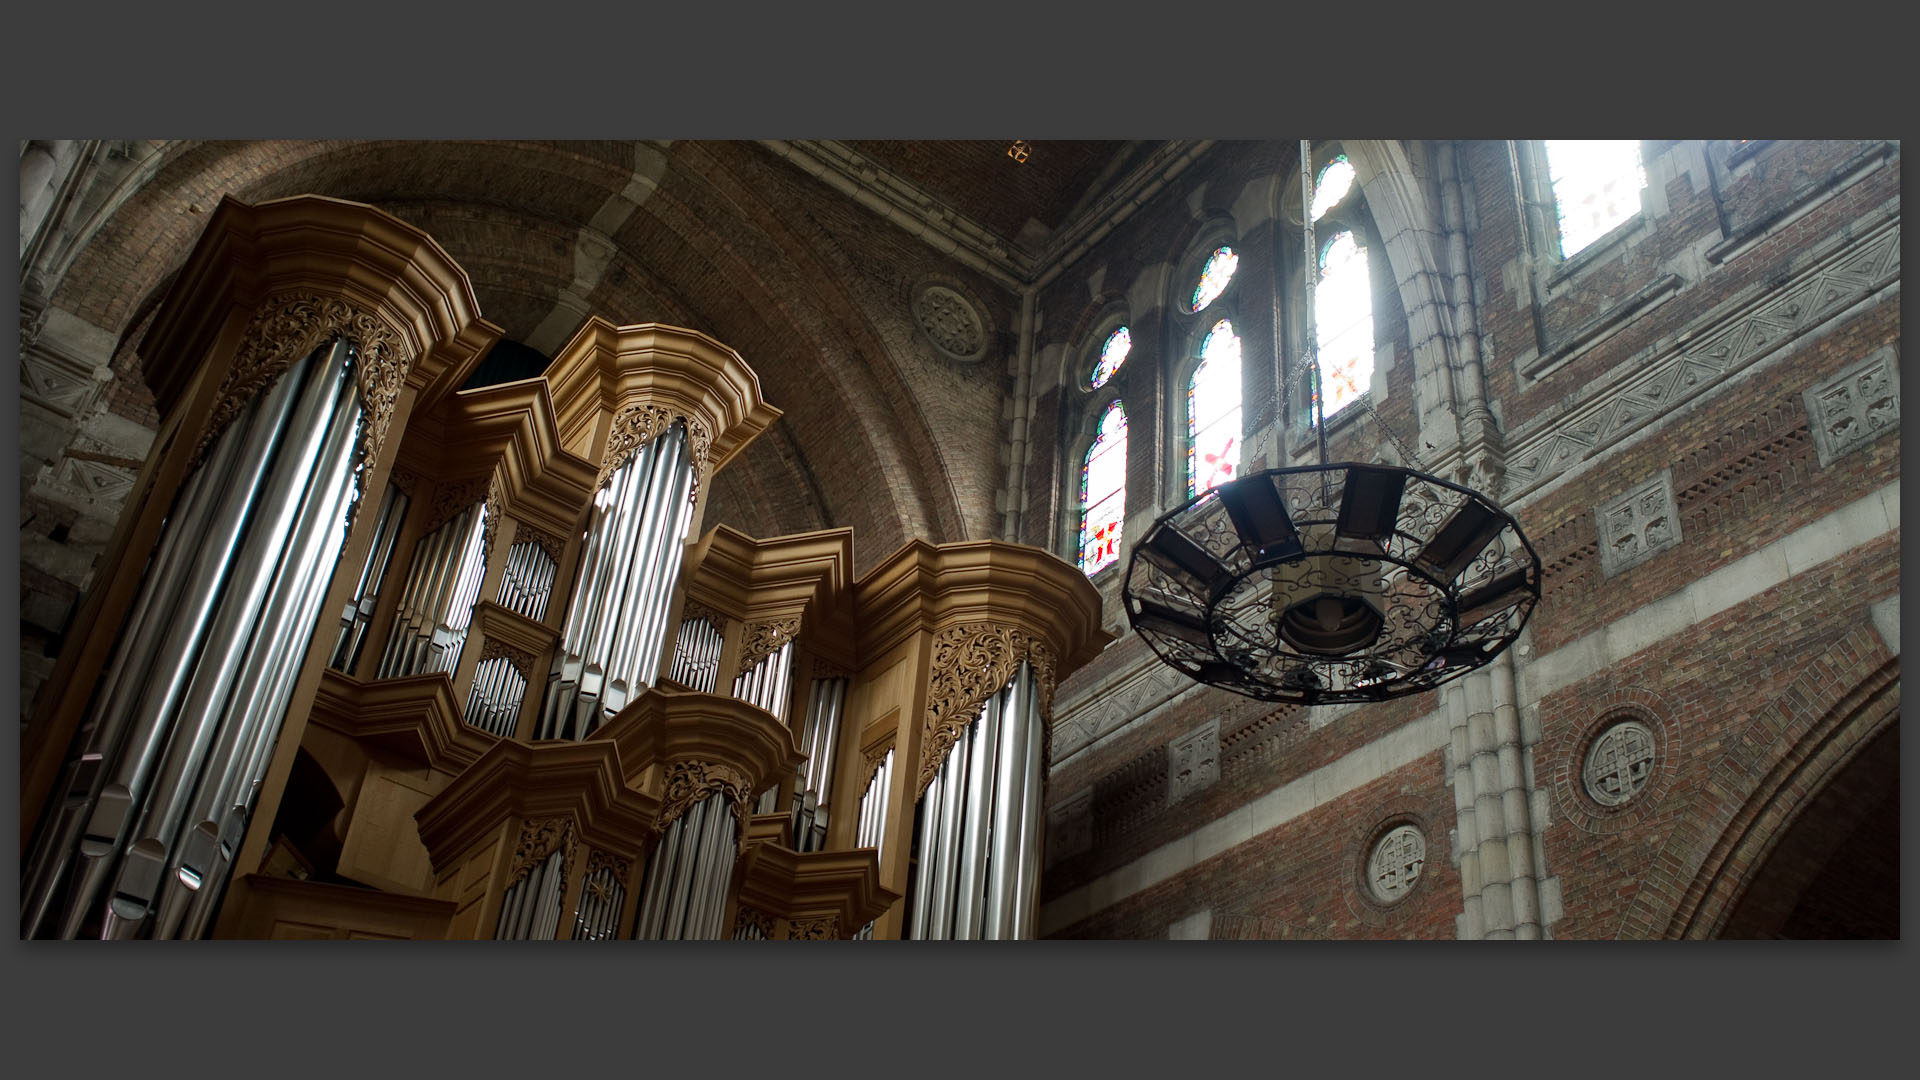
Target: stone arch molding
x,y
1757,789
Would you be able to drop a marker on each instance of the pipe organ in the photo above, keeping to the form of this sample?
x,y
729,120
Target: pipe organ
x,y
382,656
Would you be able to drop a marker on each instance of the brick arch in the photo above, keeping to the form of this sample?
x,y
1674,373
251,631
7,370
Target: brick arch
x,y
1847,695
747,276
1405,217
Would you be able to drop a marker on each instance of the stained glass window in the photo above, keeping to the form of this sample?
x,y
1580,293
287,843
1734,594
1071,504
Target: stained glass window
x,y
1103,491
1112,355
1596,186
1331,185
1213,411
1214,277
1343,317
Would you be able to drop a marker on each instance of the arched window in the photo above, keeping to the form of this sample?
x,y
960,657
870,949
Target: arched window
x,y
1113,353
1214,276
1103,491
1343,321
1213,411
1596,187
1342,295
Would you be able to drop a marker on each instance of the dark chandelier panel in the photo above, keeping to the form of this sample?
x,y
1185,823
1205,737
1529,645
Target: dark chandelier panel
x,y
1332,583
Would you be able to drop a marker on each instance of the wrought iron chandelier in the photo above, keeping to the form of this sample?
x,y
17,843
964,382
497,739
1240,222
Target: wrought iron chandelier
x,y
1331,583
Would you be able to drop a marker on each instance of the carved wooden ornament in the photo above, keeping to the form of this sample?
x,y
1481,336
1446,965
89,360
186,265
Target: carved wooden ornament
x,y
971,663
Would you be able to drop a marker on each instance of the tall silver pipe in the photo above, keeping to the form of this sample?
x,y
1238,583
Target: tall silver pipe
x,y
678,874
952,816
1012,751
1032,821
159,593
969,887
358,614
653,894
923,869
289,533
665,561
706,870
639,541
609,615
99,741
222,798
135,759
553,893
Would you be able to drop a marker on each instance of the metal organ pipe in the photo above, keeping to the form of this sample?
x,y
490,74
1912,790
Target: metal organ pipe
x,y
229,599
696,656
359,611
684,893
444,582
981,815
616,618
528,581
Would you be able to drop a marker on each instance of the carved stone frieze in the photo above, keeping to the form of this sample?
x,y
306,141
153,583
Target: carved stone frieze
x,y
639,424
538,840
690,781
763,639
1660,384
1070,826
970,664
287,327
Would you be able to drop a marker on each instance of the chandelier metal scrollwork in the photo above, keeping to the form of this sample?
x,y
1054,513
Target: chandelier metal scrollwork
x,y
1323,583
1332,583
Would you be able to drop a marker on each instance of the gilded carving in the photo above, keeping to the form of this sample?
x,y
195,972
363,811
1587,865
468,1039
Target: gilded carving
x,y
522,661
971,663
538,839
690,781
764,639
639,424
826,929
286,329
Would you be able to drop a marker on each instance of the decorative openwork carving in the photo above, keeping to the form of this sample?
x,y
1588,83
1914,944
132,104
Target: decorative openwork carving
x,y
694,609
406,480
639,424
827,669
496,499
598,860
1396,863
950,322
1619,764
522,661
549,544
451,498
286,328
690,781
826,929
971,663
538,838
753,919
871,759
763,639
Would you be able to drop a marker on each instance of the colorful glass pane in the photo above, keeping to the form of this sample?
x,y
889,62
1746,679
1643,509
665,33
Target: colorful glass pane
x,y
1343,317
1213,411
1596,187
1214,277
1112,355
1103,492
1332,185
